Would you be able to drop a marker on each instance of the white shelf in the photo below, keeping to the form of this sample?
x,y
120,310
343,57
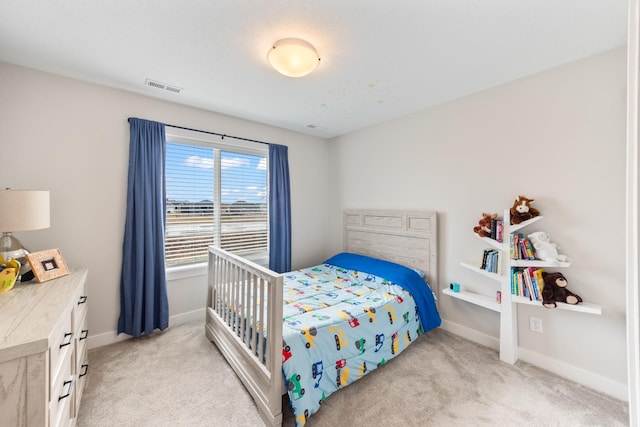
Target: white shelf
x,y
583,307
490,241
474,298
515,227
508,308
485,273
538,263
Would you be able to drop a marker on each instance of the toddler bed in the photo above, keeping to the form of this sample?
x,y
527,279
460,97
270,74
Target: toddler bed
x,y
340,319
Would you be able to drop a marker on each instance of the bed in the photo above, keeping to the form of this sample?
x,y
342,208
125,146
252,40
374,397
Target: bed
x,y
340,319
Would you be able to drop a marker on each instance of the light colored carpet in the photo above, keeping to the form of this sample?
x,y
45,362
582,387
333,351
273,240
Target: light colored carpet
x,y
178,378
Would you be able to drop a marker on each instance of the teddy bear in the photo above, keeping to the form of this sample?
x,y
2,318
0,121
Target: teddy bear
x,y
522,210
555,290
545,250
483,229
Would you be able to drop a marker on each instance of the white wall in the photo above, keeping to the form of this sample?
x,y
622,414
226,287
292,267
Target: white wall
x,y
558,137
72,138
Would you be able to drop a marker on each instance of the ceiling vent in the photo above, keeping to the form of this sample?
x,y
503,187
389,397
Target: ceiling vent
x,y
163,86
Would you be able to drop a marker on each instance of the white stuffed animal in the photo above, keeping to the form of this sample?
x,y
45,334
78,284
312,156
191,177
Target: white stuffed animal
x,y
545,250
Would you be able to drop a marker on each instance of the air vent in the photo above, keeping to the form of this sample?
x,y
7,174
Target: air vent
x,y
162,86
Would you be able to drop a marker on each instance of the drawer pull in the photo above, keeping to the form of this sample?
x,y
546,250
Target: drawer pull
x,y
82,299
85,366
68,336
66,384
84,334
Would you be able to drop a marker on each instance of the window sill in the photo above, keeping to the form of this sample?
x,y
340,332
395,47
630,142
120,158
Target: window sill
x,y
186,271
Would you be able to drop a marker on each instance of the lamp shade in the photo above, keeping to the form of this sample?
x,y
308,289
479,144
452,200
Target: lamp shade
x,y
22,210
293,57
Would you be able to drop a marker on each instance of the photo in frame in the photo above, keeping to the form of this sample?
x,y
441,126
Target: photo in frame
x,y
47,265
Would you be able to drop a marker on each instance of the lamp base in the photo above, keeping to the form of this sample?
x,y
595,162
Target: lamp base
x,y
10,247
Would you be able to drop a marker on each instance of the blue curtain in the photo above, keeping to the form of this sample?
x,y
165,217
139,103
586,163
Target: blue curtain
x,y
144,304
279,209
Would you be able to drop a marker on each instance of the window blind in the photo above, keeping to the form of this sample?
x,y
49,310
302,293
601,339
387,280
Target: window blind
x,y
215,196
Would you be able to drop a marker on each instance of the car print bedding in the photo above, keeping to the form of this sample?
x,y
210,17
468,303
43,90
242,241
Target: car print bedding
x,y
343,319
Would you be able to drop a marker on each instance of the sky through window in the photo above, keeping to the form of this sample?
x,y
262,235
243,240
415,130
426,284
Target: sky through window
x,y
190,175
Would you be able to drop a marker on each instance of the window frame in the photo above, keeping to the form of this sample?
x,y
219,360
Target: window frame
x,y
228,144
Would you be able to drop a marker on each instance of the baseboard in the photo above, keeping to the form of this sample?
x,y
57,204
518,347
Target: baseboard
x,y
562,369
112,337
191,316
581,376
471,334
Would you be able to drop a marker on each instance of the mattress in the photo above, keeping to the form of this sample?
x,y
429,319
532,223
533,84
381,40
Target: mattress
x,y
345,318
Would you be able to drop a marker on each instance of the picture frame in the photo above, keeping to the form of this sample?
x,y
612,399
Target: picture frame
x,y
47,265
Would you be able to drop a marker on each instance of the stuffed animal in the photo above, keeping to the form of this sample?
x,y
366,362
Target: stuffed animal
x,y
483,229
522,210
545,250
555,290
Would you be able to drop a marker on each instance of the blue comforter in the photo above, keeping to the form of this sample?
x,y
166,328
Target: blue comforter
x,y
343,319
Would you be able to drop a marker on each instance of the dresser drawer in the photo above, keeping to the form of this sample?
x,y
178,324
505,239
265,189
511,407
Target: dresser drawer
x,y
80,310
61,347
81,377
61,413
62,394
81,336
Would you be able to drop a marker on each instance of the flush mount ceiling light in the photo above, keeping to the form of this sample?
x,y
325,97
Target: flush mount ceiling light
x,y
293,57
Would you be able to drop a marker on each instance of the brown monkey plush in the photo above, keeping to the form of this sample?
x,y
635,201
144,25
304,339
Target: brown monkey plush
x,y
483,229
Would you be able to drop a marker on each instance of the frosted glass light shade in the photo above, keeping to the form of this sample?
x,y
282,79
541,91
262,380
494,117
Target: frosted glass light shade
x,y
293,57
22,210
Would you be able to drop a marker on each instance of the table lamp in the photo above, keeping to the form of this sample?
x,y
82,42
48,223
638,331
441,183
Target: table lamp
x,y
21,210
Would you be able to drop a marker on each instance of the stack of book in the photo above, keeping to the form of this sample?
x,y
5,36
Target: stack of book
x,y
491,261
497,228
520,247
527,282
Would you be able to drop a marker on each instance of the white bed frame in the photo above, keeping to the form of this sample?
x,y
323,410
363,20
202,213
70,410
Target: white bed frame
x,y
405,237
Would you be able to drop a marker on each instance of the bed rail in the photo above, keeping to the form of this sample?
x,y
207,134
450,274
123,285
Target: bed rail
x,y
243,298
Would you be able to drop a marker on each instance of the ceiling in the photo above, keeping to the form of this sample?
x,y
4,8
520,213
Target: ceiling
x,y
380,59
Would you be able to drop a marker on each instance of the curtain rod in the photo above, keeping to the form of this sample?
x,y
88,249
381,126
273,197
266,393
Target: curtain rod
x,y
223,136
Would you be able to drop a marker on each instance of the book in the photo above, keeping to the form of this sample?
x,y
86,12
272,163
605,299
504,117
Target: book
x,y
511,247
515,246
522,288
490,260
485,254
522,249
516,282
490,257
494,228
495,268
529,249
529,285
500,231
540,280
534,283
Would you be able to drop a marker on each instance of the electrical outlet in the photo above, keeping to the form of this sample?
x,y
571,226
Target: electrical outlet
x,y
535,324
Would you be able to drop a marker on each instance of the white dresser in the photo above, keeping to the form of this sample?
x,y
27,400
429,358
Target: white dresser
x,y
43,351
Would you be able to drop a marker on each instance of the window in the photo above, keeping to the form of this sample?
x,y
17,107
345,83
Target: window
x,y
216,194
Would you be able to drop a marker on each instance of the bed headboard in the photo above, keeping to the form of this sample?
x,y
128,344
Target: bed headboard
x,y
409,238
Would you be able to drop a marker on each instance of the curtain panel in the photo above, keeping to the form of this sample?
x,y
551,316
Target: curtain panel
x,y
144,305
279,209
